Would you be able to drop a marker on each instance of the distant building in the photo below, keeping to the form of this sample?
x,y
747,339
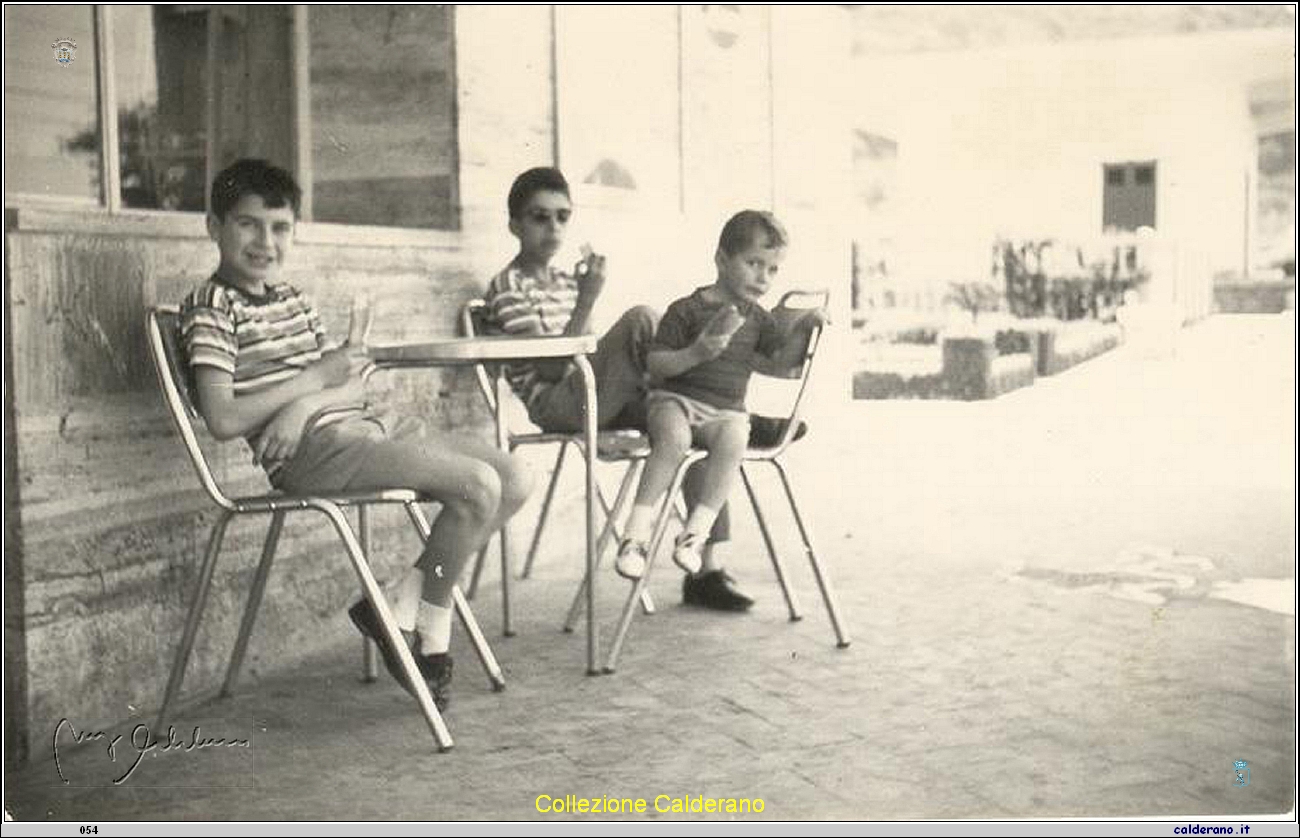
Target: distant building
x,y
1070,141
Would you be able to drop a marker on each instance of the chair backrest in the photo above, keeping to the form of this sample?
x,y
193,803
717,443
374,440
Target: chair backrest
x,y
162,326
787,389
473,317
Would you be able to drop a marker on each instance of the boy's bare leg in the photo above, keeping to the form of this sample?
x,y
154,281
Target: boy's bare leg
x,y
478,486
670,435
726,443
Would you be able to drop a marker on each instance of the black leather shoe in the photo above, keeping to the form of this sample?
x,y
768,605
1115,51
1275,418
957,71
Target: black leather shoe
x,y
436,669
715,589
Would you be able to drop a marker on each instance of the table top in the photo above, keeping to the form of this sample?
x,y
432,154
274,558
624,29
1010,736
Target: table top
x,y
440,351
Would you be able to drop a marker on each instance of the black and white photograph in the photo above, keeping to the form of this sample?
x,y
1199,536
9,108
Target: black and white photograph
x,y
530,417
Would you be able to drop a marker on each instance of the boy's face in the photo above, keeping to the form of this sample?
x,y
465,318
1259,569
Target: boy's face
x,y
541,224
254,241
749,273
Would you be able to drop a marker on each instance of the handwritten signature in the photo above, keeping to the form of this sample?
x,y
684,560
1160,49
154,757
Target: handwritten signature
x,y
141,742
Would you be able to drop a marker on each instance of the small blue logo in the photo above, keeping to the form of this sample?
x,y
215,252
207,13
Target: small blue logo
x,y
65,49
1243,773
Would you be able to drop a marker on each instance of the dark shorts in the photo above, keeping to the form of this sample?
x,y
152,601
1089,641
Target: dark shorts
x,y
328,458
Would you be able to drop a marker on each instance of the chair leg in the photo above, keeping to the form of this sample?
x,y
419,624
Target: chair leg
x,y
546,508
610,531
661,526
503,444
479,561
823,582
791,603
467,621
254,602
506,628
394,635
369,654
195,616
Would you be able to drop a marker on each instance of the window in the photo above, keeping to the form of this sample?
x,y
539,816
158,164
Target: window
x,y
158,55
1129,196
359,101
51,109
382,104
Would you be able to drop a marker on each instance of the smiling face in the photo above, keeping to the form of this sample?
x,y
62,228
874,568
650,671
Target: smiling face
x,y
749,273
540,227
254,241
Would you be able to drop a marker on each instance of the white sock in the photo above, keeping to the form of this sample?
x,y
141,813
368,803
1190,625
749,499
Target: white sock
x,y
407,598
640,523
700,521
433,622
714,555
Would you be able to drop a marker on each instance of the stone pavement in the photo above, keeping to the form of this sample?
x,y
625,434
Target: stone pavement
x,y
1059,603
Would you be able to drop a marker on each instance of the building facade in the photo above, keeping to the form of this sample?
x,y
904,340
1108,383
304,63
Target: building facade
x,y
406,126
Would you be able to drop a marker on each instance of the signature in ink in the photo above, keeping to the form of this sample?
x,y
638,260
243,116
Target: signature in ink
x,y
139,743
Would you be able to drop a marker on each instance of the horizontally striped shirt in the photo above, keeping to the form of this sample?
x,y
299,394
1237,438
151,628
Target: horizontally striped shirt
x,y
259,340
519,304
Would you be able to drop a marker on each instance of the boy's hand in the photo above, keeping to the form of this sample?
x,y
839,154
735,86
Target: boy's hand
x,y
590,273
718,332
279,439
727,320
334,368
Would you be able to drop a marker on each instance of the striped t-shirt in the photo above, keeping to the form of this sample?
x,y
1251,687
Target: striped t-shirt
x,y
519,304
259,340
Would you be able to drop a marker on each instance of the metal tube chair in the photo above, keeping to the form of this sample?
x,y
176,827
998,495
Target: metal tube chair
x,y
610,445
162,328
770,454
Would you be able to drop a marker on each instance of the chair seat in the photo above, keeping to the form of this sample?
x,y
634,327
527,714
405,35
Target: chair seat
x,y
611,445
274,501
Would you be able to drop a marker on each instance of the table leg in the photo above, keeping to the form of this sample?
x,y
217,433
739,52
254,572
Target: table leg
x,y
589,452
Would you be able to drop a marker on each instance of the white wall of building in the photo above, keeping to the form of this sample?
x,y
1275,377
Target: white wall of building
x,y
1012,142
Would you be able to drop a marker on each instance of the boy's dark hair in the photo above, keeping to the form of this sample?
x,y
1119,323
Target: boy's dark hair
x,y
745,227
274,185
540,179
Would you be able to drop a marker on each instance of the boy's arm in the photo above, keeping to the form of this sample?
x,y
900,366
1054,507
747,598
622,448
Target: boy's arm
x,y
668,363
279,439
590,276
229,416
674,351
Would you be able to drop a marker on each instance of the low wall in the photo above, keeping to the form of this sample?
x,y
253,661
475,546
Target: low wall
x,y
1254,297
972,369
1060,349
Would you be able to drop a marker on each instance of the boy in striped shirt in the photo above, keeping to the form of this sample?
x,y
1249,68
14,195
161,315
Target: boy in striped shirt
x,y
531,297
264,370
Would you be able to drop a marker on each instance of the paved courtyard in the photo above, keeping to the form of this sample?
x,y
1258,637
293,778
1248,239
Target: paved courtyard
x,y
1074,601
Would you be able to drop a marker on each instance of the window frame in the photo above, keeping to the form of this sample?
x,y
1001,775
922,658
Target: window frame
x,y
107,215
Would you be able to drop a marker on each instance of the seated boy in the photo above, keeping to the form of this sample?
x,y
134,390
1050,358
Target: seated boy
x,y
264,370
530,296
707,346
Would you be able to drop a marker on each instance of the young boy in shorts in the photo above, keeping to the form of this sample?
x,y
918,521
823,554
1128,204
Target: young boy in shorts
x,y
707,346
265,370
